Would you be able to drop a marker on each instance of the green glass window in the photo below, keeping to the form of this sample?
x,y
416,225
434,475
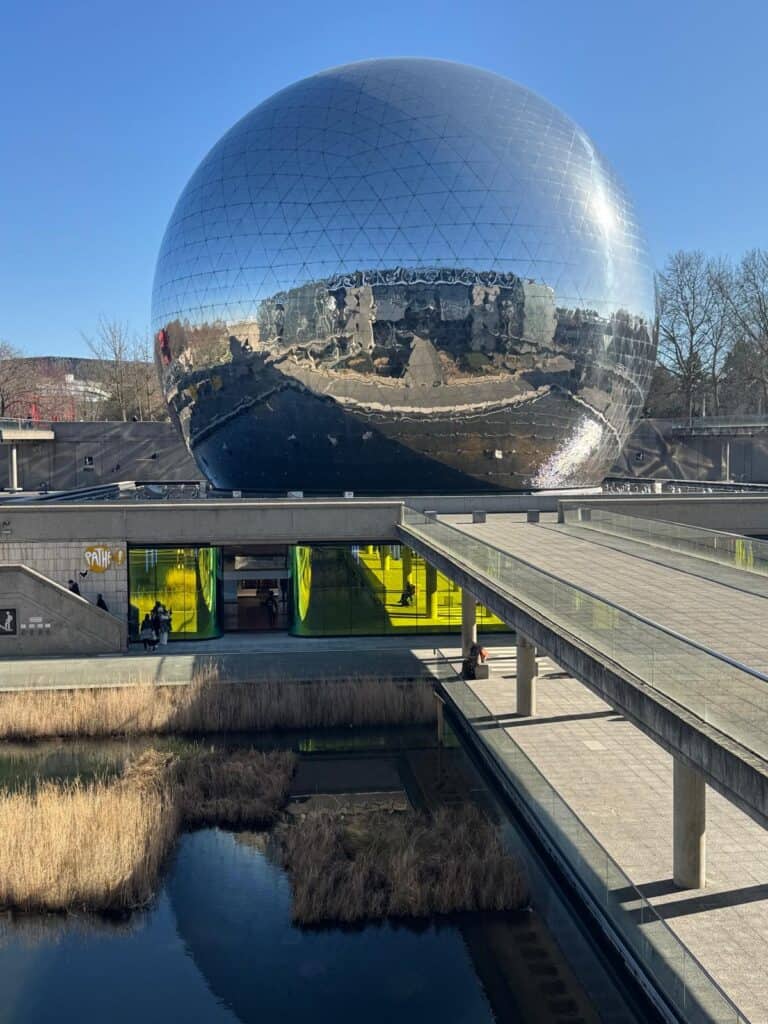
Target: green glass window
x,y
375,589
185,580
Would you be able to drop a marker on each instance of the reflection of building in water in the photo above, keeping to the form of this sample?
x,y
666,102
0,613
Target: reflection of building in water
x,y
413,317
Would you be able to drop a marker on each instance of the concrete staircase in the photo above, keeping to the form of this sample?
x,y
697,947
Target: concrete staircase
x,y
40,618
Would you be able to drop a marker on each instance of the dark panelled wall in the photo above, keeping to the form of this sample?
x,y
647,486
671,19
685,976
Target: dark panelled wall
x,y
154,451
86,454
660,449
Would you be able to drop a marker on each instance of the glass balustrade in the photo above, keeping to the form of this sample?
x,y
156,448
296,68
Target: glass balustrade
x,y
730,697
671,966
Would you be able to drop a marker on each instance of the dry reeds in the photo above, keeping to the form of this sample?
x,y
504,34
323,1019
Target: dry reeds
x,y
100,846
246,787
208,706
401,865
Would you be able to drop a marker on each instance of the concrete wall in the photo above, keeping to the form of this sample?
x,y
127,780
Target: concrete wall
x,y
201,522
734,513
61,561
657,448
457,504
49,620
115,451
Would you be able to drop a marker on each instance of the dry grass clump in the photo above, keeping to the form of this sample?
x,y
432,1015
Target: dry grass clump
x,y
81,846
209,706
402,865
246,787
101,846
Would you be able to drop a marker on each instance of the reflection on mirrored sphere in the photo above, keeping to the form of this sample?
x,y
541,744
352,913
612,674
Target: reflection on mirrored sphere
x,y
404,276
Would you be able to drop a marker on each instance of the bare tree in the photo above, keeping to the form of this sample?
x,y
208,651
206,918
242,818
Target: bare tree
x,y
692,323
15,390
111,346
126,372
147,397
721,332
745,294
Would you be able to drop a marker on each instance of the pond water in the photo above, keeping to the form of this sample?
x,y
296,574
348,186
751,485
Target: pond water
x,y
218,943
219,946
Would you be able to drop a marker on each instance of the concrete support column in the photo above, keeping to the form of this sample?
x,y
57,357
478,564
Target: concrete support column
x,y
431,581
468,622
689,826
13,469
526,676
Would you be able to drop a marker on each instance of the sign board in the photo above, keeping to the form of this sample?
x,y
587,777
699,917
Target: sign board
x,y
8,622
99,557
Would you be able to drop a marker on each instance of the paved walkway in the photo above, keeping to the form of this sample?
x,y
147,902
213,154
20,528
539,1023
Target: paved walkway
x,y
694,565
720,618
717,616
246,657
620,784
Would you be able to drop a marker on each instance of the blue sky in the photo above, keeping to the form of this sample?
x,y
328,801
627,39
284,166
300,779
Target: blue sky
x,y
108,107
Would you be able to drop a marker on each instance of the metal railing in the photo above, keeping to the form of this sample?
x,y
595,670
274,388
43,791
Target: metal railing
x,y
674,971
731,549
652,485
9,423
722,692
716,422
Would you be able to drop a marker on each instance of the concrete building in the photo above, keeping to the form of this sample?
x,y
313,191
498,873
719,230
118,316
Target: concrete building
x,y
312,568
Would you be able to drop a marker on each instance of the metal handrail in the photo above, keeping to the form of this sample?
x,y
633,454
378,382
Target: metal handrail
x,y
693,486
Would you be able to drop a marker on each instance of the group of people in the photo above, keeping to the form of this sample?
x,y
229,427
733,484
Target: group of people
x,y
74,587
155,627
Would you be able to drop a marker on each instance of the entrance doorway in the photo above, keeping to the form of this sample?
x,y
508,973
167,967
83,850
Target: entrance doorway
x,y
255,588
260,605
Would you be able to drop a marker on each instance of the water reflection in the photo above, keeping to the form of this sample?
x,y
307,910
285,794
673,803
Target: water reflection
x,y
219,946
218,943
64,972
233,912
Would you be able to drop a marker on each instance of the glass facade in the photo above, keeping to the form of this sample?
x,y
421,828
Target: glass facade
x,y
373,590
185,580
330,590
404,276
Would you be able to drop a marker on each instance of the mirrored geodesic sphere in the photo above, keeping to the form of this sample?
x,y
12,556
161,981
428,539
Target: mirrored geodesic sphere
x,y
404,276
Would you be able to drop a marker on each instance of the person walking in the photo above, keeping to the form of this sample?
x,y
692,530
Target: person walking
x,y
272,608
164,625
147,634
101,603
